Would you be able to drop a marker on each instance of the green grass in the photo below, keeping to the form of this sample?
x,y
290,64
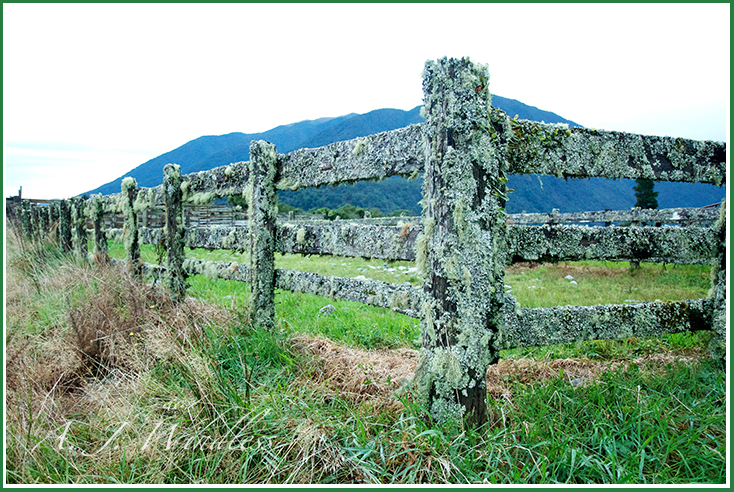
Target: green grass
x,y
606,283
359,325
629,427
647,419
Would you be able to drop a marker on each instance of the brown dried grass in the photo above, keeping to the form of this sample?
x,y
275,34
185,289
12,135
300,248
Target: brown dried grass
x,y
362,375
577,372
107,335
359,375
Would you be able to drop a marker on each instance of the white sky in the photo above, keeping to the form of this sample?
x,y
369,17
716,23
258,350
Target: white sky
x,y
92,91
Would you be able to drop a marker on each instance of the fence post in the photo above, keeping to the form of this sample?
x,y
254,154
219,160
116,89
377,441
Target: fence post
x,y
462,251
79,227
65,226
130,227
263,210
43,223
53,215
717,346
25,219
174,232
34,225
96,212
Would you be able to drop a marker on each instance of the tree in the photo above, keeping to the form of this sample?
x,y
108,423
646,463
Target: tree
x,y
237,200
646,197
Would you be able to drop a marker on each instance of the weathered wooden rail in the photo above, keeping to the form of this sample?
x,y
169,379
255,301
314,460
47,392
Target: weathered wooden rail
x,y
461,243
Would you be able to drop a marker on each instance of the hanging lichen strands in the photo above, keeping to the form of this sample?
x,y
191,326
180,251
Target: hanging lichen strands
x,y
174,239
263,210
96,212
463,213
130,229
717,294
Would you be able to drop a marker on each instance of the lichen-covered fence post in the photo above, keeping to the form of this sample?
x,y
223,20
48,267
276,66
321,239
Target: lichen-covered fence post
x,y
26,219
79,227
462,251
263,210
65,226
718,289
43,222
130,228
36,223
174,231
96,212
53,214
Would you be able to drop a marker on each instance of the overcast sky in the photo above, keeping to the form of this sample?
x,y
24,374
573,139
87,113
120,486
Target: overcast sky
x,y
92,91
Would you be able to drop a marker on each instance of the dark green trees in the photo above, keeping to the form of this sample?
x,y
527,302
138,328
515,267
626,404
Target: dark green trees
x,y
646,197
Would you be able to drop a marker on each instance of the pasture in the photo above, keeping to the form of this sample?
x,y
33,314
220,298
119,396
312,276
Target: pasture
x,y
192,393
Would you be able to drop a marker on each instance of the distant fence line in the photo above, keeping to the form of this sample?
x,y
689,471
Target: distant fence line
x,y
461,243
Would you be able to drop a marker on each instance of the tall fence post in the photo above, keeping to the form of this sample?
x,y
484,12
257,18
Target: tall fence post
x,y
35,231
717,346
53,214
24,212
263,210
43,222
29,224
79,227
96,212
174,233
65,226
130,227
50,220
462,251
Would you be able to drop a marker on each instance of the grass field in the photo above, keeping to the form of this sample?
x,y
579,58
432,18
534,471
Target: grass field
x,y
110,382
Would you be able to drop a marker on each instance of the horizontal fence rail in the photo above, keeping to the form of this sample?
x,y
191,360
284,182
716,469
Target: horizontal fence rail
x,y
349,239
461,243
588,153
547,243
378,156
208,215
539,327
687,245
685,216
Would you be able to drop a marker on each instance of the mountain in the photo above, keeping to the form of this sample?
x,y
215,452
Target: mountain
x,y
211,151
532,193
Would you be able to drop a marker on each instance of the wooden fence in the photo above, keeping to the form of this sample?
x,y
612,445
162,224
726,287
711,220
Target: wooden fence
x,y
461,243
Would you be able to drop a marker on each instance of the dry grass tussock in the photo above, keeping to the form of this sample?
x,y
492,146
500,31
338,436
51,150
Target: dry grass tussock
x,y
361,375
83,337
